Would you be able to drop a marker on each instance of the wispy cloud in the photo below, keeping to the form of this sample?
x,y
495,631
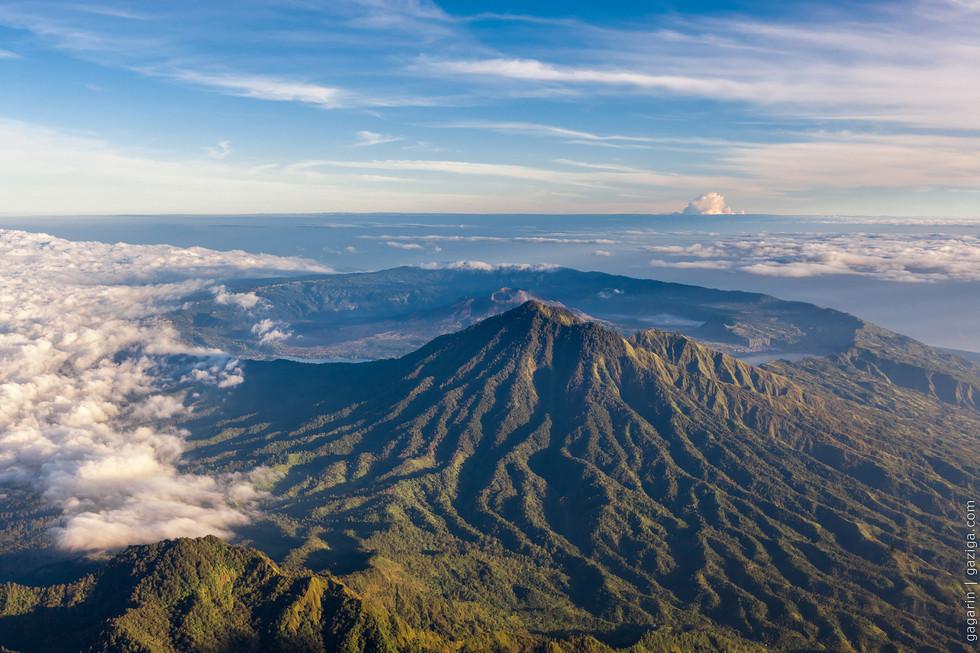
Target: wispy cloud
x,y
286,89
112,11
368,138
53,172
465,168
267,88
167,45
534,70
590,165
904,64
422,17
583,137
7,54
61,30
570,135
220,151
848,160
600,175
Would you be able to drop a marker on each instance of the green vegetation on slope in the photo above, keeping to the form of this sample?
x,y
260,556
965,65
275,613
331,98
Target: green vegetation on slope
x,y
189,595
205,596
893,372
536,475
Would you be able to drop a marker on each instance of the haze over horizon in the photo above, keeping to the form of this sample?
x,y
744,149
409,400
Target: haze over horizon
x,y
421,106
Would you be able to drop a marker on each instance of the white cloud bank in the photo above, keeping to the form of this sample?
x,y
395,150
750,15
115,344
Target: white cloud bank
x,y
935,257
709,204
393,240
85,394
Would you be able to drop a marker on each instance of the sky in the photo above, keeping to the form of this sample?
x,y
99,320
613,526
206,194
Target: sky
x,y
850,108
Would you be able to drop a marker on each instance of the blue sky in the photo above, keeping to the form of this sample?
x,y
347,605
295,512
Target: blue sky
x,y
411,105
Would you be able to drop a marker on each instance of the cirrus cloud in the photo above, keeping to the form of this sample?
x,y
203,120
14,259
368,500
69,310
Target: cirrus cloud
x,y
367,138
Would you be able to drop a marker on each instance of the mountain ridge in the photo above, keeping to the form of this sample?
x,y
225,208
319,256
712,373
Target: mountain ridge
x,y
606,480
205,596
193,595
392,312
366,316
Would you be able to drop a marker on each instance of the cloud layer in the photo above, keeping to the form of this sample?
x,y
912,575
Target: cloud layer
x,y
88,388
935,257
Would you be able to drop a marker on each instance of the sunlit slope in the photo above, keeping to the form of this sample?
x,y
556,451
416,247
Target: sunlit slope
x,y
190,595
892,371
539,473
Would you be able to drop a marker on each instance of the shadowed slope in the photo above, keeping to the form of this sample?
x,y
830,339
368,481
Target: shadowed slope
x,y
205,596
538,472
189,595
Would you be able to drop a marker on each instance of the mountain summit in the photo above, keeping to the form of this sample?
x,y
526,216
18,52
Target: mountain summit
x,y
539,472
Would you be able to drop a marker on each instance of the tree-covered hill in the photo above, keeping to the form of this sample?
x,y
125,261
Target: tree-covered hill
x,y
205,596
189,595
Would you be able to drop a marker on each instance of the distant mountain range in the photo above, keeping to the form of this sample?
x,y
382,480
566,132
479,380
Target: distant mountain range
x,y
366,316
551,476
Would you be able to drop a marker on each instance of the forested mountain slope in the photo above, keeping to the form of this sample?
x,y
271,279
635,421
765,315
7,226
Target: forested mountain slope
x,y
539,473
